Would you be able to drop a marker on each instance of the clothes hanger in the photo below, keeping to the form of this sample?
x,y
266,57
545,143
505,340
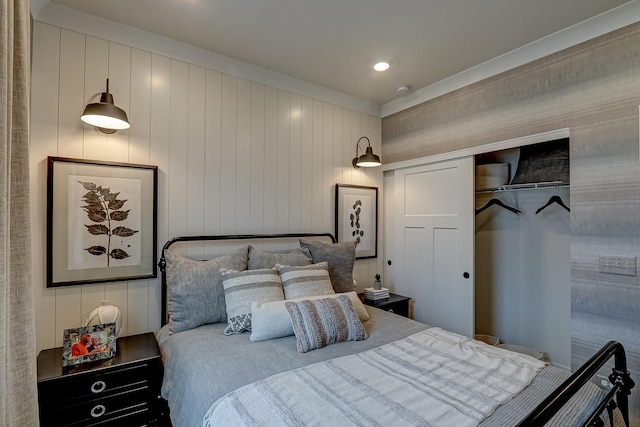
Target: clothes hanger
x,y
554,199
498,203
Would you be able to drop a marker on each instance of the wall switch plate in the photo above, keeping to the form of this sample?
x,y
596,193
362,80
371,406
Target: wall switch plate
x,y
617,264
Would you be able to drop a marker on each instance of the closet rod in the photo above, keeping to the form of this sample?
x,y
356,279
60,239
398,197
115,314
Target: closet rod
x,y
518,187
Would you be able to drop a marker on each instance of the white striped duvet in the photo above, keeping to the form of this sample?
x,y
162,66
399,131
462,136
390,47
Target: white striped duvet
x,y
431,378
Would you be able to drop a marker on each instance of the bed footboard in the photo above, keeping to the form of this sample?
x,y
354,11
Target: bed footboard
x,y
619,378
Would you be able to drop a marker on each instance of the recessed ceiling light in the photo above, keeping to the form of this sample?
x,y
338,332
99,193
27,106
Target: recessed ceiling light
x,y
381,66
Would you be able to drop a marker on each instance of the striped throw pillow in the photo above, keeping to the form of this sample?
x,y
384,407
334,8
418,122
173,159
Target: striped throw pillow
x,y
318,323
241,288
305,281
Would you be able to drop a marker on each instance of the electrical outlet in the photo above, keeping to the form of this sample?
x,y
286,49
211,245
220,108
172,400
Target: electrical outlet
x,y
617,264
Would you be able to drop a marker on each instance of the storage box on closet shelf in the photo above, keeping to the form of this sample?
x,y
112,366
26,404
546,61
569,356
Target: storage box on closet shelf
x,y
491,176
376,295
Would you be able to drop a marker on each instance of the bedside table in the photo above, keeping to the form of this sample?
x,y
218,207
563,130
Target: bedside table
x,y
397,304
123,390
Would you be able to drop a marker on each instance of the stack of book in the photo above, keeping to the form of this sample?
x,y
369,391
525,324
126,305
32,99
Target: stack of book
x,y
376,295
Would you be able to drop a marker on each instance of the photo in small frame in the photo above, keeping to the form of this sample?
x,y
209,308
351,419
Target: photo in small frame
x,y
88,344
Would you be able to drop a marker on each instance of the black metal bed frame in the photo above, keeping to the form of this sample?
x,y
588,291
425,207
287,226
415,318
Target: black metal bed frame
x,y
619,378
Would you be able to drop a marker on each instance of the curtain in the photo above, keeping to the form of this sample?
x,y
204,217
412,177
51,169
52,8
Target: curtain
x,y
18,391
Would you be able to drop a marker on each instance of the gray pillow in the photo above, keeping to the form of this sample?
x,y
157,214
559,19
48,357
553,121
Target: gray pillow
x,y
340,256
262,259
195,295
318,323
241,288
305,281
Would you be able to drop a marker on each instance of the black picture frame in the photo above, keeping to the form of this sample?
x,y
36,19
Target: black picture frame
x,y
357,218
101,221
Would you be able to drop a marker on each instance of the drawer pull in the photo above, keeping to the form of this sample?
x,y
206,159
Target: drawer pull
x,y
98,411
98,387
391,310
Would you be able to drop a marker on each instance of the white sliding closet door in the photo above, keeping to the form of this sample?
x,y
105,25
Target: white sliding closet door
x,y
431,245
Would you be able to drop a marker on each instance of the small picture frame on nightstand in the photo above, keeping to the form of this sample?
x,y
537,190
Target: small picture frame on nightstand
x,y
88,344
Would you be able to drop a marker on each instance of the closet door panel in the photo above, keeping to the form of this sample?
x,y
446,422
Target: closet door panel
x,y
431,247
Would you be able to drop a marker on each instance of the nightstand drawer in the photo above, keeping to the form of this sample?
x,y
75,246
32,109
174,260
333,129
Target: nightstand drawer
x,y
89,386
396,304
120,406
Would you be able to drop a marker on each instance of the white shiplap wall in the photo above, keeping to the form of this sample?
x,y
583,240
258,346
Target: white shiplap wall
x,y
234,156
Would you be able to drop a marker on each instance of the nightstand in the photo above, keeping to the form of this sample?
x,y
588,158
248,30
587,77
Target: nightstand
x,y
122,391
397,304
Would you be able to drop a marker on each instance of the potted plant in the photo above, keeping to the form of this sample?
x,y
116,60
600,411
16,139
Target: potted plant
x,y
377,284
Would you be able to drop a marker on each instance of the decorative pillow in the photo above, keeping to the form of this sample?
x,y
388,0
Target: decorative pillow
x,y
195,295
340,256
263,259
271,320
241,288
306,281
321,322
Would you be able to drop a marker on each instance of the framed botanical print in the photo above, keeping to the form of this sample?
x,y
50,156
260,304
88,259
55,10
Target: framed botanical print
x,y
101,221
357,218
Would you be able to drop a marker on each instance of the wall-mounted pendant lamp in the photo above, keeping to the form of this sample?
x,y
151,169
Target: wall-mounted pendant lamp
x,y
104,115
368,159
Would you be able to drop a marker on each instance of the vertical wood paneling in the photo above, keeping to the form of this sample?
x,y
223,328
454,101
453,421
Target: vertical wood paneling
x,y
295,162
243,161
96,145
71,94
270,160
282,182
178,148
228,154
257,158
316,166
119,72
117,147
159,154
327,166
45,79
306,159
139,112
233,156
195,157
213,147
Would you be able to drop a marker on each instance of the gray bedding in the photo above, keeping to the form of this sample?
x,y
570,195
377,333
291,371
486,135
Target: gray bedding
x,y
202,365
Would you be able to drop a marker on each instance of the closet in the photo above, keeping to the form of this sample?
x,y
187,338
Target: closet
x,y
522,248
502,272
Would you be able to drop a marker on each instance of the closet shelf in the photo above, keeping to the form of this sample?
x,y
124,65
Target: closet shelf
x,y
530,186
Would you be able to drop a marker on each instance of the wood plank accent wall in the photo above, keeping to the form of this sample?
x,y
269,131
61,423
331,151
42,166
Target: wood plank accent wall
x,y
593,89
234,157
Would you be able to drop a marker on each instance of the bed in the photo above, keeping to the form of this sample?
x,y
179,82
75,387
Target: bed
x,y
403,373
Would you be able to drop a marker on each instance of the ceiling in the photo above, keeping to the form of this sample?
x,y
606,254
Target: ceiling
x,y
334,43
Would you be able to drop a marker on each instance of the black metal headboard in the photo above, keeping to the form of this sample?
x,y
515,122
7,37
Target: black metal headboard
x,y
163,262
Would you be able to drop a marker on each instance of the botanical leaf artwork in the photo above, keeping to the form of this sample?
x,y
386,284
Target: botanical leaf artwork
x,y
355,221
105,211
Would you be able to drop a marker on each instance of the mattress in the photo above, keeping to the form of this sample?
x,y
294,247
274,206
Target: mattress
x,y
202,365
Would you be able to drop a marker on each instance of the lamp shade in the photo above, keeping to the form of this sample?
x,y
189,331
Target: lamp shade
x,y
106,313
105,115
368,159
